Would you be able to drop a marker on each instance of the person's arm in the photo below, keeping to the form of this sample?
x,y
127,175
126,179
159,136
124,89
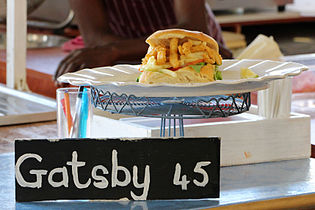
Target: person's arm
x,y
104,55
93,25
93,22
191,15
103,48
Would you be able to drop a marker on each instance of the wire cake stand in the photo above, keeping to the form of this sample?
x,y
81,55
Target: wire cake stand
x,y
171,108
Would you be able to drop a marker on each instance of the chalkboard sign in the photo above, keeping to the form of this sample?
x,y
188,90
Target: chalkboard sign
x,y
136,169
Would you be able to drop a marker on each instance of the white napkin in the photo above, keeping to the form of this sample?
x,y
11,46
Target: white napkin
x,y
274,102
262,47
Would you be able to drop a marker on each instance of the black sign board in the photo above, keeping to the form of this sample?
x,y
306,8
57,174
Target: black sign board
x,y
137,169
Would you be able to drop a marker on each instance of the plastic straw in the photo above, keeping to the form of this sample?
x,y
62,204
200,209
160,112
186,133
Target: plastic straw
x,y
74,129
83,114
68,111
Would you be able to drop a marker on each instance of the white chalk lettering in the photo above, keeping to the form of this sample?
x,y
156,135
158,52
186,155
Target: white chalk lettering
x,y
75,164
65,178
176,180
115,169
103,183
198,169
145,185
39,173
121,176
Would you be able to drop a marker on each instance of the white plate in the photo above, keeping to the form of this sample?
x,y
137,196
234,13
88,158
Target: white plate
x,y
122,79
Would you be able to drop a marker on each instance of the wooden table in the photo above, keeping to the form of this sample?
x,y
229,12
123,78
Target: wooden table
x,y
32,130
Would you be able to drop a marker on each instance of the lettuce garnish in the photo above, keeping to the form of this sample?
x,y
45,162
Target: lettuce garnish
x,y
138,78
217,75
198,66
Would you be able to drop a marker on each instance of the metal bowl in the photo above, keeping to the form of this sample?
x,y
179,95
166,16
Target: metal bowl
x,y
38,41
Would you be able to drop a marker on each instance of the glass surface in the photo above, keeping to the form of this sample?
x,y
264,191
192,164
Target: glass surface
x,y
12,105
74,113
22,107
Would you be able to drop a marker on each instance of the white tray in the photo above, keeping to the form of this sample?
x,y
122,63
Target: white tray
x,y
245,138
122,79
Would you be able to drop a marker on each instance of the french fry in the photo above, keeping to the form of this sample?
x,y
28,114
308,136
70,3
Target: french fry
x,y
198,48
207,58
180,50
186,47
173,53
212,53
208,72
161,55
151,52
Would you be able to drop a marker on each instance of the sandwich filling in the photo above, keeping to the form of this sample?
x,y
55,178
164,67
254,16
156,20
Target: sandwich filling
x,y
180,60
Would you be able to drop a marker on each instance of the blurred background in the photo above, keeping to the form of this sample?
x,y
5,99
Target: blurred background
x,y
52,30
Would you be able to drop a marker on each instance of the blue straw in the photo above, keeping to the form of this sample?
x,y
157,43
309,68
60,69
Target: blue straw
x,y
84,113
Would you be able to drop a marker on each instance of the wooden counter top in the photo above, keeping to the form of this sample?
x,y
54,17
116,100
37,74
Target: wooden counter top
x,y
31,130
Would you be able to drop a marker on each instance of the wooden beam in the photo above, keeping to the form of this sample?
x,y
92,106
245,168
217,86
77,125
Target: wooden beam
x,y
16,44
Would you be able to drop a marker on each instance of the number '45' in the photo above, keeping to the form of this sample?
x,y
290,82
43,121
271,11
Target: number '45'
x,y
183,182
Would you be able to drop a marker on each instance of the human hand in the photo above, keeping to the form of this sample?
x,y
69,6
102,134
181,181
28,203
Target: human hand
x,y
86,58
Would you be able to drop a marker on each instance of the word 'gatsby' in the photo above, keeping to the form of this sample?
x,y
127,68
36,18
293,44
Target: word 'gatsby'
x,y
97,180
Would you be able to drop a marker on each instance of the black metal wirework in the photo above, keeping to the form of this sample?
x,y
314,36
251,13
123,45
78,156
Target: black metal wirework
x,y
176,108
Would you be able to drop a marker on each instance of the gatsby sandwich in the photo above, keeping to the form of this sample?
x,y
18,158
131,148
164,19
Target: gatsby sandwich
x,y
180,56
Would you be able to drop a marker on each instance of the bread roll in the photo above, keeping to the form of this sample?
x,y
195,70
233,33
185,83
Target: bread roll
x,y
180,56
162,37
